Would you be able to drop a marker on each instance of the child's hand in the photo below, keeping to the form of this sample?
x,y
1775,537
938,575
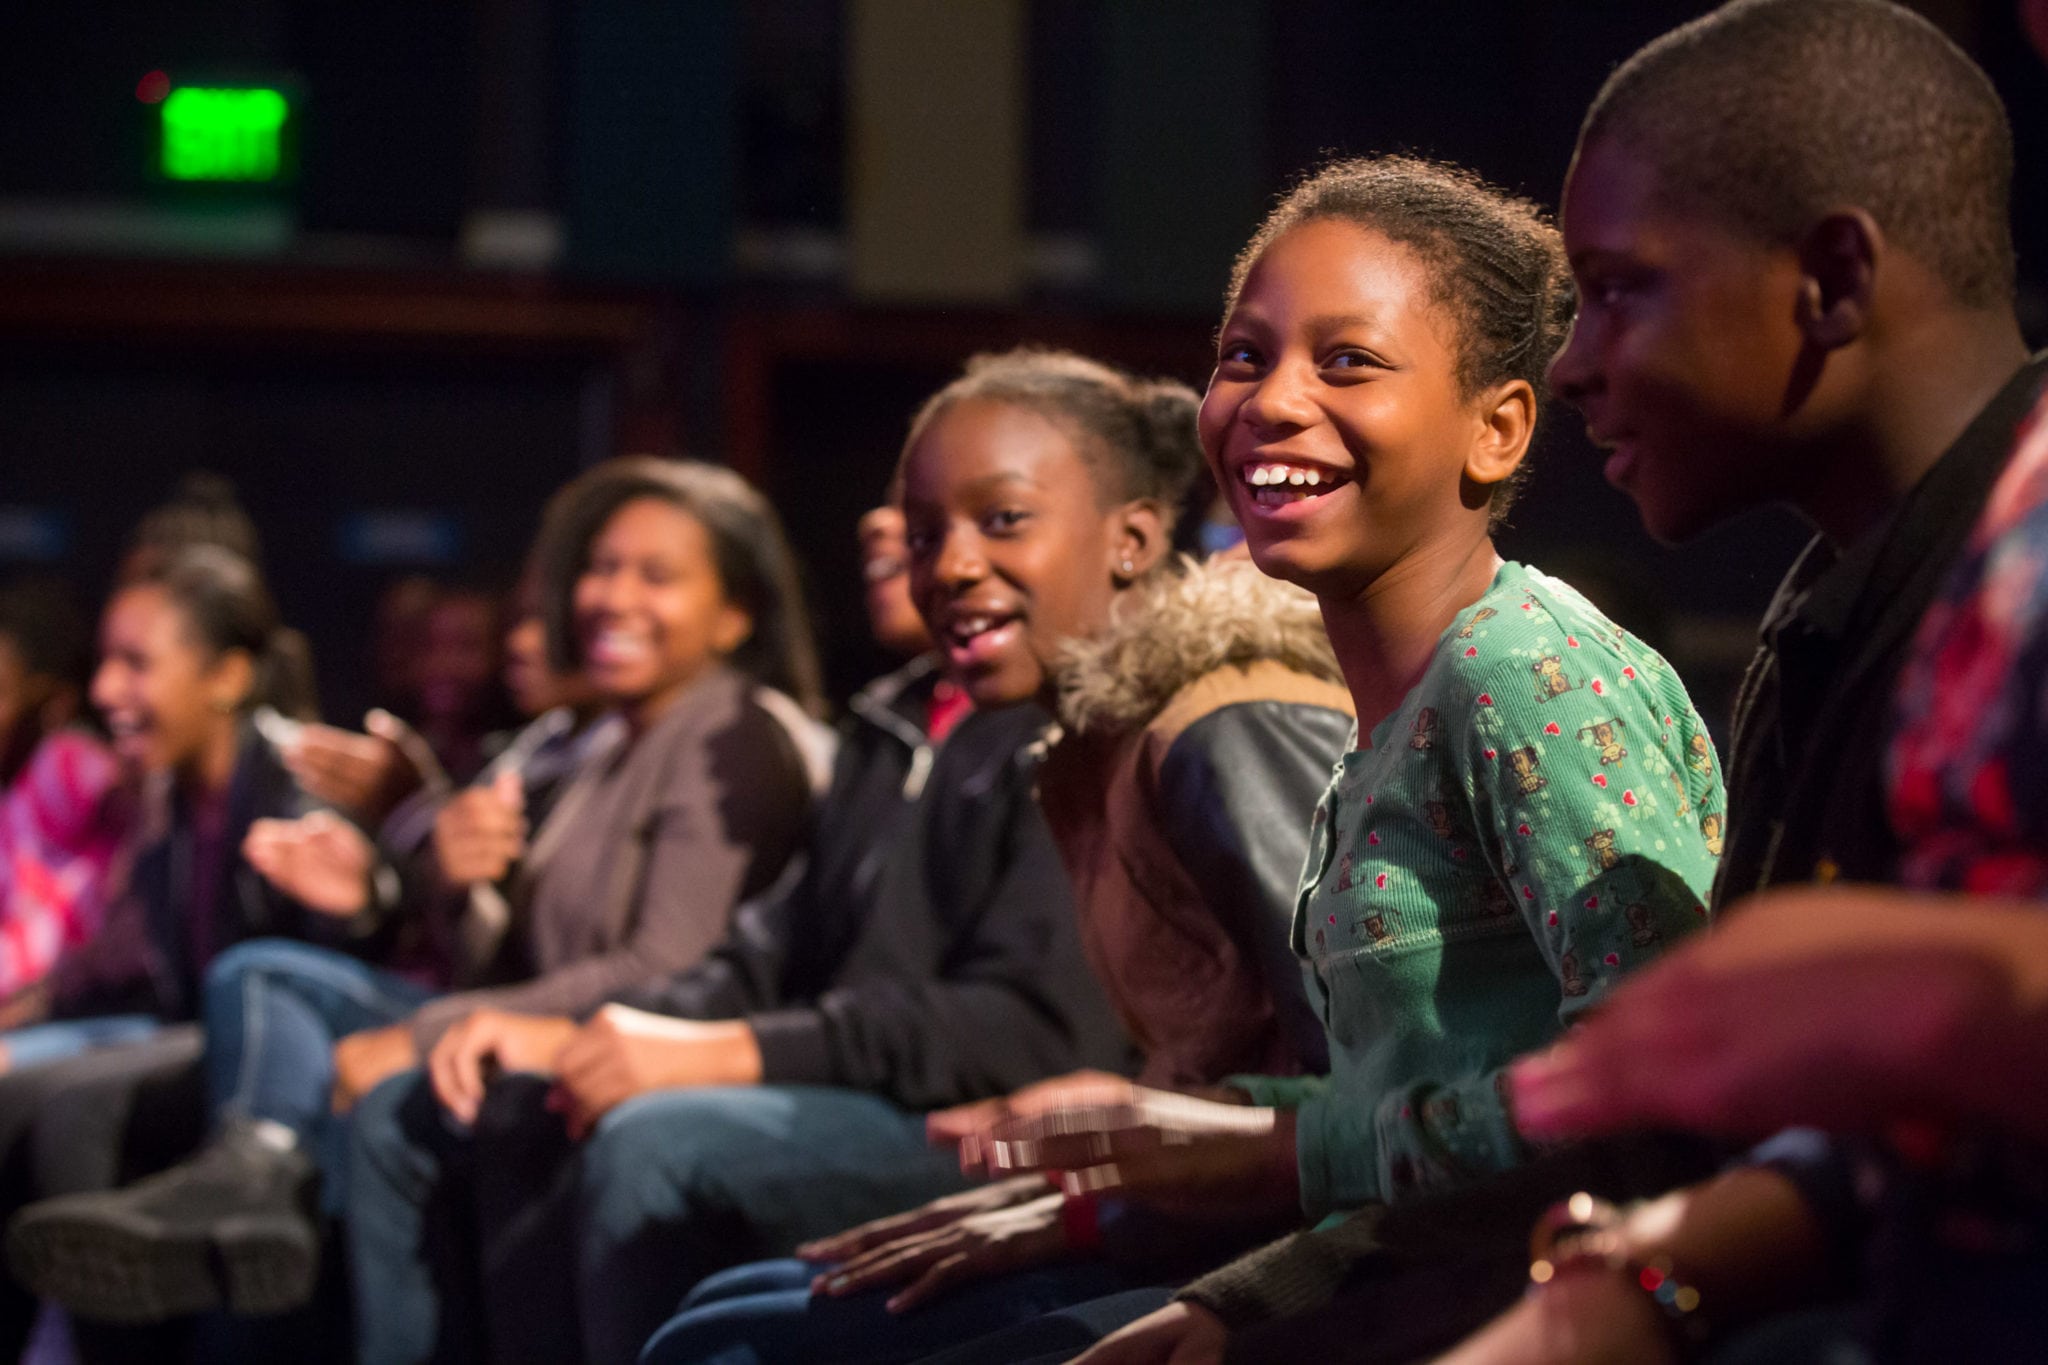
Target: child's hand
x,y
624,1052
366,775
516,1042
363,1061
967,1126
320,860
481,832
939,1213
939,1260
1172,1152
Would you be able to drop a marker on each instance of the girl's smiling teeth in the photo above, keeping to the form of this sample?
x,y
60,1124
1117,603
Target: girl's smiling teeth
x,y
612,645
1275,484
978,637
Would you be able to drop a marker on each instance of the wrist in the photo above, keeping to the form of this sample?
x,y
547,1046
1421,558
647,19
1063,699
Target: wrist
x,y
551,1035
745,1056
1584,1236
730,1055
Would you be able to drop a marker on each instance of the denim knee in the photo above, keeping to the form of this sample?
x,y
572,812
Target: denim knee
x,y
384,1130
254,955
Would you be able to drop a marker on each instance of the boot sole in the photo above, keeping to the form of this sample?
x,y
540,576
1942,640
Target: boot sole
x,y
108,1265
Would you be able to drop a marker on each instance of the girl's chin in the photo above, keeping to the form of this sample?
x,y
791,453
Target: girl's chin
x,y
624,685
1006,685
137,753
1286,558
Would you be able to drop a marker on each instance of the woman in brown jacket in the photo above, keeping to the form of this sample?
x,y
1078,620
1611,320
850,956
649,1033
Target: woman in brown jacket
x,y
669,585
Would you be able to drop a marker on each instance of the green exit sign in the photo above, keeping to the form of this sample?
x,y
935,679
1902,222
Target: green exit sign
x,y
216,133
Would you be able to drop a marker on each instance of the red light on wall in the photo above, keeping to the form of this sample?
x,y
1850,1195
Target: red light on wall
x,y
153,88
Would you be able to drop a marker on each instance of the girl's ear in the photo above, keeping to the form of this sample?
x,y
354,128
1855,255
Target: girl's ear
x,y
731,629
1139,541
230,681
1507,418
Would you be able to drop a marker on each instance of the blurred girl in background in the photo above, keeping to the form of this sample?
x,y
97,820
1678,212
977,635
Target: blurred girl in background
x,y
670,587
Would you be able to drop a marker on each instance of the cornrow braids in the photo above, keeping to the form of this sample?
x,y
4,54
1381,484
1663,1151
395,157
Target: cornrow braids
x,y
1496,264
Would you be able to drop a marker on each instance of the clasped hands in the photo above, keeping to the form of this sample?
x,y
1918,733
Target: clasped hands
x,y
619,1053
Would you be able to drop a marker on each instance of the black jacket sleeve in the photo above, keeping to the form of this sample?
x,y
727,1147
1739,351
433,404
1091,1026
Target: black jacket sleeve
x,y
787,945
968,979
1236,793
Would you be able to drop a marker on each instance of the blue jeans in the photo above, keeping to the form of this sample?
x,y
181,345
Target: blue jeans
x,y
764,1313
1059,1335
672,1186
40,1044
274,1009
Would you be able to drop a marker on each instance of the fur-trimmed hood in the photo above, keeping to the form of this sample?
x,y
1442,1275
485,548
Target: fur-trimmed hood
x,y
1184,627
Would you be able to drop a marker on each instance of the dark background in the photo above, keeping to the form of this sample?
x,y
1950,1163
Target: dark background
x,y
347,344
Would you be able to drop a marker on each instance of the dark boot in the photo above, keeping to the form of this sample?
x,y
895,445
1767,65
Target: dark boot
x,y
233,1227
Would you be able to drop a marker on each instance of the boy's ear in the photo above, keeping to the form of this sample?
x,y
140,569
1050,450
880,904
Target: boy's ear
x,y
1140,540
1838,262
1507,417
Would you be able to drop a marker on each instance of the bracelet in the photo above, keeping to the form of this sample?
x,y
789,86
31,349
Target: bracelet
x,y
1585,1232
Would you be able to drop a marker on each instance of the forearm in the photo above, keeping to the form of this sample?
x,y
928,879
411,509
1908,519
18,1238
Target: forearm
x,y
1746,1240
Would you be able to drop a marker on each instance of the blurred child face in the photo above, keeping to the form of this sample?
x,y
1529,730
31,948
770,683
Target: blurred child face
x,y
458,656
166,699
1011,552
1334,423
885,573
1685,358
650,611
401,615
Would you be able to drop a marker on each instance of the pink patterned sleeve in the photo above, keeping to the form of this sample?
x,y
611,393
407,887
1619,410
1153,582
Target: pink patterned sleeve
x,y
57,844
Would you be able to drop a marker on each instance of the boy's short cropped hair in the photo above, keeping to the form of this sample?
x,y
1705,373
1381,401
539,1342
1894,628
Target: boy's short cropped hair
x,y
1769,114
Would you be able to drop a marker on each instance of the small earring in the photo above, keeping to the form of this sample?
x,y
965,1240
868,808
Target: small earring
x,y
1128,568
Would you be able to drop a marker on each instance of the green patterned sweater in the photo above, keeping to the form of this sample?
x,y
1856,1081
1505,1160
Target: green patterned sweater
x,y
1541,814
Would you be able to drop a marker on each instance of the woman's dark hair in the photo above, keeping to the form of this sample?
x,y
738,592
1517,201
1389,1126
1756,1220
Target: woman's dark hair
x,y
1496,262
203,511
756,569
1138,436
227,607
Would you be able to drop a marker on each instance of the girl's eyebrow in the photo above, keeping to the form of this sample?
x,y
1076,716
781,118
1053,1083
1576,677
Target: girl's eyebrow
x,y
990,482
1336,322
1321,323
